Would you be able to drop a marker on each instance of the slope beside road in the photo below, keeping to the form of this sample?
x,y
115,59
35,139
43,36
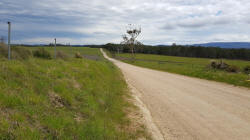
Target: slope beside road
x,y
189,108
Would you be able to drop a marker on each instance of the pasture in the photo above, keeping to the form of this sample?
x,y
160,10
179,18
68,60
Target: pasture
x,y
195,67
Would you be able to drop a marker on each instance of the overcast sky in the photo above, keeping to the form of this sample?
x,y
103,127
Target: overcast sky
x,y
103,21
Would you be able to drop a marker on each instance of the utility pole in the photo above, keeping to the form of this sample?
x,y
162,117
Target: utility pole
x,y
9,23
55,47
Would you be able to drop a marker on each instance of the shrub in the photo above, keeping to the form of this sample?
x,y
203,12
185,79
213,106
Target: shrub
x,y
78,55
233,68
42,53
246,69
61,55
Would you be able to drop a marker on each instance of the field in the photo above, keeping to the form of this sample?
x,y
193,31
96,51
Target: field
x,y
64,99
195,67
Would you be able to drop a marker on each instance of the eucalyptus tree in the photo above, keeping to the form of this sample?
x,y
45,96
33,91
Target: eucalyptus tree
x,y
130,37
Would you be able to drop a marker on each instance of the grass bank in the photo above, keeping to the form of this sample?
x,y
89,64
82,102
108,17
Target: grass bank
x,y
64,99
195,67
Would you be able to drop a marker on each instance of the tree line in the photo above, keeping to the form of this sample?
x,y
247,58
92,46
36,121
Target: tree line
x,y
185,51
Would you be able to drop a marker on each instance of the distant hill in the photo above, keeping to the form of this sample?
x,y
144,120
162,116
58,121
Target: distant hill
x,y
236,45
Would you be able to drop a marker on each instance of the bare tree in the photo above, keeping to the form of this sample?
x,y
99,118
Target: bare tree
x,y
130,38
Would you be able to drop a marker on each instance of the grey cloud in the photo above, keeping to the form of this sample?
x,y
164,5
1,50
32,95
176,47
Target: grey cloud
x,y
192,23
199,22
168,26
105,20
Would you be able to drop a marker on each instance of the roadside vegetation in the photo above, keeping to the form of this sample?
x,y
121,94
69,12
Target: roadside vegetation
x,y
72,98
236,72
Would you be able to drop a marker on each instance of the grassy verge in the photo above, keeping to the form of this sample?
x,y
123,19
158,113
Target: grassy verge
x,y
195,67
64,99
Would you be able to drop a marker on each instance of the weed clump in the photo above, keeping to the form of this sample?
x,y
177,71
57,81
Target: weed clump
x,y
42,53
78,55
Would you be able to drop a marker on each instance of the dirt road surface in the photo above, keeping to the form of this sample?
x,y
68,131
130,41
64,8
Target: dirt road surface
x,y
189,108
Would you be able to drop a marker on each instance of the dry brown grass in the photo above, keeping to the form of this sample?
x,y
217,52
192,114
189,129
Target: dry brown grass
x,y
3,50
19,53
61,55
78,55
137,123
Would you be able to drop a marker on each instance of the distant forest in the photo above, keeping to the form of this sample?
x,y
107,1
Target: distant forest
x,y
185,51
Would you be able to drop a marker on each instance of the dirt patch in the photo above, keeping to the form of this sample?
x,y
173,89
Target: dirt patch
x,y
56,100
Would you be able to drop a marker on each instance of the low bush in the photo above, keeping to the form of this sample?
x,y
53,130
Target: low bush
x,y
246,69
42,53
78,55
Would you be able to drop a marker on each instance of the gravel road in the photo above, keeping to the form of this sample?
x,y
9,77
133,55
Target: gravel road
x,y
182,107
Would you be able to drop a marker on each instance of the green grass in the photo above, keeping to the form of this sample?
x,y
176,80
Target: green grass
x,y
63,99
195,67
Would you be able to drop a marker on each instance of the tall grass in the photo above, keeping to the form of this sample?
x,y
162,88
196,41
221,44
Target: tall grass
x,y
16,52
